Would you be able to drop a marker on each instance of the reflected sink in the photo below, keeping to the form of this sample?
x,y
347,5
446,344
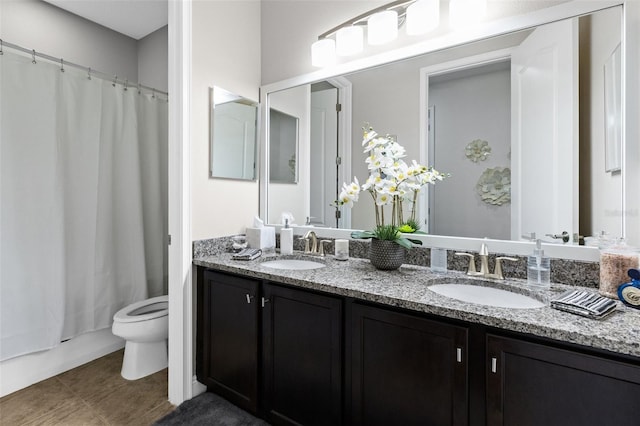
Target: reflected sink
x,y
487,296
292,264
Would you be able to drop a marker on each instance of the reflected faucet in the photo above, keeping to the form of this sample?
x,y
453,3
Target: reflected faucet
x,y
484,264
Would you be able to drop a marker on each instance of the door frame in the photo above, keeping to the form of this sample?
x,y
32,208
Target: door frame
x,y
425,198
182,383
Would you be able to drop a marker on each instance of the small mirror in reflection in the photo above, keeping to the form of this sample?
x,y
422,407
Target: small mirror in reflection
x,y
283,147
233,135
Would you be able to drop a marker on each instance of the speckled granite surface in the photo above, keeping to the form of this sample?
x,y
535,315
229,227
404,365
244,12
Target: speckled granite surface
x,y
570,272
408,288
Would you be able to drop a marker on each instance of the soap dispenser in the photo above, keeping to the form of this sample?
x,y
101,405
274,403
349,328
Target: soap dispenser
x,y
286,239
539,268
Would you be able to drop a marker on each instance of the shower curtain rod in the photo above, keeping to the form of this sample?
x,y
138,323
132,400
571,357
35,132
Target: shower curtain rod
x,y
90,72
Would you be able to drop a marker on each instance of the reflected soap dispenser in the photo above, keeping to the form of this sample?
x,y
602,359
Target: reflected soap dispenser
x,y
539,268
286,239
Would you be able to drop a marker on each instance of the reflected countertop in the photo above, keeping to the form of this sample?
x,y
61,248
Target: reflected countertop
x,y
408,288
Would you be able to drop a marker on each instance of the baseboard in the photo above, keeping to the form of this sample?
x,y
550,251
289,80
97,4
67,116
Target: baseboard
x,y
197,388
18,373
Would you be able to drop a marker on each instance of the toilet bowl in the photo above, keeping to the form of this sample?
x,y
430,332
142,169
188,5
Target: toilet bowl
x,y
145,327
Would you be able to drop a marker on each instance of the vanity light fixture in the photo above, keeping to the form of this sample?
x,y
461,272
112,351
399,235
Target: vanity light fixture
x,y
382,27
465,12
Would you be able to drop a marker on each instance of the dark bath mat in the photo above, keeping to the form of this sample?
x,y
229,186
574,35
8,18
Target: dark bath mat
x,y
211,410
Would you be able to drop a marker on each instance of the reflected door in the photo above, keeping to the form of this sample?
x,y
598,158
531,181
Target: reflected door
x,y
324,151
544,88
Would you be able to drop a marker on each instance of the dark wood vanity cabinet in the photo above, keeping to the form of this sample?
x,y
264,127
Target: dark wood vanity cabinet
x,y
535,384
228,335
406,370
301,357
296,356
271,350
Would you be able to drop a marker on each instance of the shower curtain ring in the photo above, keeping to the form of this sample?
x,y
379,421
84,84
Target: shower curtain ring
x,y
33,56
61,65
1,51
89,73
115,80
139,88
126,85
153,93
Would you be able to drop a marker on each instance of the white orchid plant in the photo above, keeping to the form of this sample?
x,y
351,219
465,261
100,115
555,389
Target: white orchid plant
x,y
391,182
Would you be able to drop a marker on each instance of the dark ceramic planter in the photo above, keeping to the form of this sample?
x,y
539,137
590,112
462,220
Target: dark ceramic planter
x,y
386,255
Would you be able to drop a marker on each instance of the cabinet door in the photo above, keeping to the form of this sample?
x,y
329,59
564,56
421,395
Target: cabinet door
x,y
302,357
407,370
533,384
230,338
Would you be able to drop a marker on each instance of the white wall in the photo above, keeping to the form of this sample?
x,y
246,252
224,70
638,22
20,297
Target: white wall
x,y
601,196
226,53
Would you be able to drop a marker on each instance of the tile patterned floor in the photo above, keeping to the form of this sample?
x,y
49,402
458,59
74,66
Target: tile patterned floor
x,y
92,394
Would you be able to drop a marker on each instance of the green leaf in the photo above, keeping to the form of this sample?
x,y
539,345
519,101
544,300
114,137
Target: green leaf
x,y
404,243
363,235
416,242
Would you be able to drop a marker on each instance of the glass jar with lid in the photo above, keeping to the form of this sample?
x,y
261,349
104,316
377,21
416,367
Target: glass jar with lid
x,y
615,262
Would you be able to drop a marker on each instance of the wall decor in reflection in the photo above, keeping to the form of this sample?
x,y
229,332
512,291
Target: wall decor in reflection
x,y
477,150
283,147
494,186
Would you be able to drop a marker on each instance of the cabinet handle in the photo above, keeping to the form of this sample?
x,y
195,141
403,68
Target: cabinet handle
x,y
459,354
264,301
249,297
494,364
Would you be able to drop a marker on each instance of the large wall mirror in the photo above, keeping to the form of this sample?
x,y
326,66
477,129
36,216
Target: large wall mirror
x,y
233,134
542,129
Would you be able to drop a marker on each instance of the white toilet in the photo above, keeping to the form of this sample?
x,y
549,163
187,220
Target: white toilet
x,y
145,327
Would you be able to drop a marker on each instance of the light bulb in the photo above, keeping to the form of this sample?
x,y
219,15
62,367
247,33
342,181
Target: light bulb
x,y
349,40
323,52
382,27
423,16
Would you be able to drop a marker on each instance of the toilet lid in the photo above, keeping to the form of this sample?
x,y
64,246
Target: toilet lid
x,y
144,310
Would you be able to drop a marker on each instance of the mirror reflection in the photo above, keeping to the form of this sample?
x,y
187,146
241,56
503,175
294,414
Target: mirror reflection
x,y
283,147
233,135
448,107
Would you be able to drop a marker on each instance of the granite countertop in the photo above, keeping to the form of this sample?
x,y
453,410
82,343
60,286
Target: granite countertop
x,y
408,288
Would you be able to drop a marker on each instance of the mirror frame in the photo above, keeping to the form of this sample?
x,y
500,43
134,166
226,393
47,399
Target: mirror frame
x,y
630,100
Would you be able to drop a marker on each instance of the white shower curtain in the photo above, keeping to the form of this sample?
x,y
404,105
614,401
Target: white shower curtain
x,y
82,202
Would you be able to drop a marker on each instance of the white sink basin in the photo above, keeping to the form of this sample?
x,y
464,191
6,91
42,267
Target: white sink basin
x,y
488,296
292,264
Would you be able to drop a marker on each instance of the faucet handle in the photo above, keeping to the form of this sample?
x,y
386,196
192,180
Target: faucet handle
x,y
321,251
471,269
306,243
497,273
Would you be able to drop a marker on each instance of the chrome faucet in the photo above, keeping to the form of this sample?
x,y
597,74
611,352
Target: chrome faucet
x,y
484,264
310,242
312,245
